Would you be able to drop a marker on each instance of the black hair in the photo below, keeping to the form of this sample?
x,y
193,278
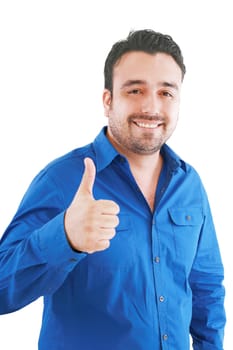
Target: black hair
x,y
145,40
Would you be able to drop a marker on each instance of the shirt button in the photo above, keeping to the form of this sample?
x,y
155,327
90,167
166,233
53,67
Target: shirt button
x,y
188,217
165,337
162,190
157,259
161,299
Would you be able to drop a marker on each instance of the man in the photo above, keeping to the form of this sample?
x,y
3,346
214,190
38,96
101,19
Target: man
x,y
118,235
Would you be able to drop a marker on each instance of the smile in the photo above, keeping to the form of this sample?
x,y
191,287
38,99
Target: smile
x,y
147,125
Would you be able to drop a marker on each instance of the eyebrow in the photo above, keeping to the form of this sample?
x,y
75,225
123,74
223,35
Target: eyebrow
x,y
131,82
170,84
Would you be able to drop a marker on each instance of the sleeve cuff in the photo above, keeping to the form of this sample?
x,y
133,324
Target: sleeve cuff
x,y
54,245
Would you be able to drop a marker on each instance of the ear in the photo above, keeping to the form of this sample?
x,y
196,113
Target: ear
x,y
107,100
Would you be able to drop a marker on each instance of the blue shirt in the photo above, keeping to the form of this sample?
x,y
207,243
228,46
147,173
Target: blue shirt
x,y
160,279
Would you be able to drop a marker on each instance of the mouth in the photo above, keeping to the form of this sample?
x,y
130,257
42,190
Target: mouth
x,y
148,124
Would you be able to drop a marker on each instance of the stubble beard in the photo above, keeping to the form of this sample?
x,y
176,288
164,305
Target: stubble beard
x,y
145,144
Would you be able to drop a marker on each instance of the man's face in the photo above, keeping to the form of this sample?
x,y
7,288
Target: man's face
x,y
144,106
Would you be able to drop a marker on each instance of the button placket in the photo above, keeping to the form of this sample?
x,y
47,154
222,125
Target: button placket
x,y
161,299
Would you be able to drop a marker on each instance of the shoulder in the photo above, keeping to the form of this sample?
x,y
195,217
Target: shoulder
x,y
71,159
64,171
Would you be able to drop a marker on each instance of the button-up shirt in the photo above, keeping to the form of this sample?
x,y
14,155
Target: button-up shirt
x,y
159,281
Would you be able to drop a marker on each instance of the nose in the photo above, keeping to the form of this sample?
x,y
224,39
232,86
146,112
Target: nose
x,y
151,104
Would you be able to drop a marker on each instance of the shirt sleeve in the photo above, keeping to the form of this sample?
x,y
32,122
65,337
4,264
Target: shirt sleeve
x,y
35,256
206,280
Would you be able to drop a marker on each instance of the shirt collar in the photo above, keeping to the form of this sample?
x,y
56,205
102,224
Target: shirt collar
x,y
105,153
172,159
104,150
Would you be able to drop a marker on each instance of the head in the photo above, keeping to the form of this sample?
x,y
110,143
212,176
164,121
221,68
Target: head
x,y
147,41
143,77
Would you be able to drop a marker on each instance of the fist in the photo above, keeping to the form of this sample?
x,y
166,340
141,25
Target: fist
x,y
90,224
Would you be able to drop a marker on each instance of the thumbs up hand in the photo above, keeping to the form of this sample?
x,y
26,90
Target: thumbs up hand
x,y
90,224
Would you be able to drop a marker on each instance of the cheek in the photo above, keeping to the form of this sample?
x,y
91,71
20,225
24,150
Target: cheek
x,y
173,111
119,109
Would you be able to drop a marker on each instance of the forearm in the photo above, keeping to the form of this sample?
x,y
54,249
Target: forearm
x,y
35,266
208,317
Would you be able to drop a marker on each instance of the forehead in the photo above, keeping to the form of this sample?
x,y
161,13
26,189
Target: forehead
x,y
137,65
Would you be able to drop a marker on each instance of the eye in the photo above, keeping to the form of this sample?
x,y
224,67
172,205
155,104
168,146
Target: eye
x,y
134,92
166,94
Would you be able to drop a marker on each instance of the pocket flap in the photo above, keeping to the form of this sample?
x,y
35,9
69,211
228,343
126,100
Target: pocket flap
x,y
186,216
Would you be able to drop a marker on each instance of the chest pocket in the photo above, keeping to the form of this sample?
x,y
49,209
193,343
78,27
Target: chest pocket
x,y
186,223
121,253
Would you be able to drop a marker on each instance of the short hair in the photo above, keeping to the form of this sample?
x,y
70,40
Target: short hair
x,y
145,40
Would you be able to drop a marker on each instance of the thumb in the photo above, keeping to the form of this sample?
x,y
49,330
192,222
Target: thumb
x,y
88,179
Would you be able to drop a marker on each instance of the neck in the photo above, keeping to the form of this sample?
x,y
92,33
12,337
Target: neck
x,y
146,162
146,169
146,172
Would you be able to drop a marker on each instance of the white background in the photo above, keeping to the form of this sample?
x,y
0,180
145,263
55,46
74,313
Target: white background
x,y
51,80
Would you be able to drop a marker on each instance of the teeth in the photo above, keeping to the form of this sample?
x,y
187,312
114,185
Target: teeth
x,y
147,125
